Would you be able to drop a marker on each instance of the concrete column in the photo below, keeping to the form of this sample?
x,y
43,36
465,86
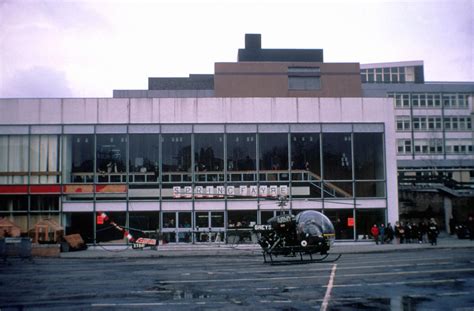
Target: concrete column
x,y
448,212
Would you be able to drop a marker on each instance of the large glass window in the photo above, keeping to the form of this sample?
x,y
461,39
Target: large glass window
x,y
144,157
305,152
209,157
184,222
14,159
202,220
169,220
241,219
305,165
241,152
144,223
78,158
44,203
44,159
368,156
239,226
343,221
13,203
176,157
337,157
241,157
217,219
273,151
111,158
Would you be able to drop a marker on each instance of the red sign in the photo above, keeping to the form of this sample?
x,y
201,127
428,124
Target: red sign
x,y
45,189
146,241
14,189
100,219
350,222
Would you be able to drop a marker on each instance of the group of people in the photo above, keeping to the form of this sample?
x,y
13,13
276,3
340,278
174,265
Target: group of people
x,y
409,232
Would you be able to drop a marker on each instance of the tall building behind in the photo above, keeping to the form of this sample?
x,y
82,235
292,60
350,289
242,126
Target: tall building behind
x,y
434,137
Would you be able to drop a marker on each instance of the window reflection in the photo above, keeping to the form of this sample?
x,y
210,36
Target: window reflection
x,y
368,156
44,203
241,152
202,219
305,153
111,158
337,157
176,157
144,156
78,158
169,220
209,152
273,151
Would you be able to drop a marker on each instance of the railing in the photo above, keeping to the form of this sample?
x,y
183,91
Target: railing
x,y
83,177
210,176
31,174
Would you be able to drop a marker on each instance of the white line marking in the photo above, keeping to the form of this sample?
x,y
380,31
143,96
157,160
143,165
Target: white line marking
x,y
325,303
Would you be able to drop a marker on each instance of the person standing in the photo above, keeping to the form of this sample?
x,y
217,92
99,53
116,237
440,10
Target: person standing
x,y
375,233
421,231
433,232
389,233
399,231
470,227
382,233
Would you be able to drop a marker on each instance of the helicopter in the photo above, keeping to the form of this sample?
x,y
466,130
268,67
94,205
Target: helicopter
x,y
308,233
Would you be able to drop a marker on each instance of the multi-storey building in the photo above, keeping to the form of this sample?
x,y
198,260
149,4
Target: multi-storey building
x,y
203,158
434,138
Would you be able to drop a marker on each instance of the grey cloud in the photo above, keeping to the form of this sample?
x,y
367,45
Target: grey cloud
x,y
61,14
36,82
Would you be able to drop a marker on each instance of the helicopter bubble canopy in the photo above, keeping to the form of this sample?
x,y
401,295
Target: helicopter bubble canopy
x,y
314,224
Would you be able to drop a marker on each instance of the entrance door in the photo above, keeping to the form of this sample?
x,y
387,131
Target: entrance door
x,y
177,227
209,226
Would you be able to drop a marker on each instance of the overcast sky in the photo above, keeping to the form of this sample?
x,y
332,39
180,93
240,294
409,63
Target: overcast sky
x,y
87,48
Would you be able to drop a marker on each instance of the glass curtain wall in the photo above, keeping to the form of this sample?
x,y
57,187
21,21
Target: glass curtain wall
x,y
209,157
111,158
322,165
176,157
176,167
337,164
78,158
306,165
273,151
369,168
44,159
273,159
241,159
144,157
14,159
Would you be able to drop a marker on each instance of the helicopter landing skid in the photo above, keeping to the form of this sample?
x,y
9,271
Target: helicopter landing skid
x,y
303,258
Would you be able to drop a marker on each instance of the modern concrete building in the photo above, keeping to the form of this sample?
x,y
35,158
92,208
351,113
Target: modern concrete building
x,y
434,139
203,158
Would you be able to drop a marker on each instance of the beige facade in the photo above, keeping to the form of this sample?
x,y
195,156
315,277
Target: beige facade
x,y
270,79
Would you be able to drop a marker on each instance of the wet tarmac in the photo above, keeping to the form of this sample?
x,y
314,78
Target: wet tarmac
x,y
422,279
